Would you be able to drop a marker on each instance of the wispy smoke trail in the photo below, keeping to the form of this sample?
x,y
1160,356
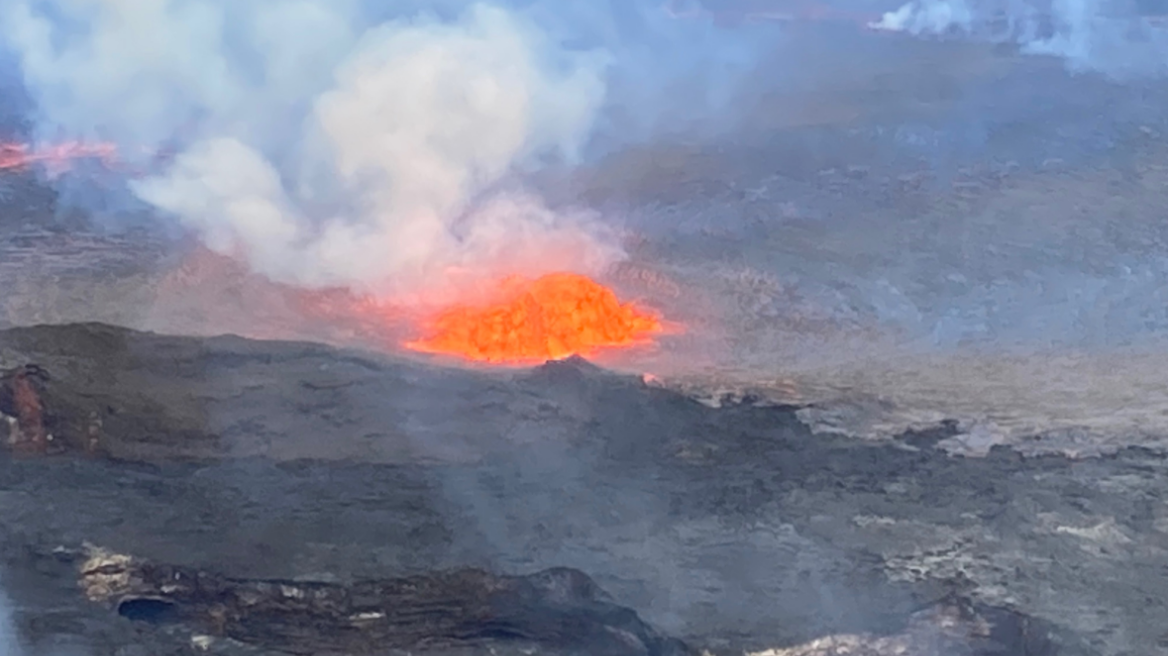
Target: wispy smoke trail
x,y
1090,35
373,145
9,642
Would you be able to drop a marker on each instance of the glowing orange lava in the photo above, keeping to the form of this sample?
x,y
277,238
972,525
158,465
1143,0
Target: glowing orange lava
x,y
550,318
19,155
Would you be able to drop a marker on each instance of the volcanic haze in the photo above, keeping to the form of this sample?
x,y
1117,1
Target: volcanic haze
x,y
325,147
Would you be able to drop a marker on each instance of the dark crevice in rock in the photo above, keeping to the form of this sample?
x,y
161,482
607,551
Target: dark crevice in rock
x,y
148,609
928,438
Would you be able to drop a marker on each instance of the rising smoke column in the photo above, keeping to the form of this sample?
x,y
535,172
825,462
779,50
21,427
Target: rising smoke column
x,y
322,149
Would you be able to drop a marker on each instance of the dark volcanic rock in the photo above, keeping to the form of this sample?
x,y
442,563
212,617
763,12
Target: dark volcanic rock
x,y
141,396
561,608
20,400
733,528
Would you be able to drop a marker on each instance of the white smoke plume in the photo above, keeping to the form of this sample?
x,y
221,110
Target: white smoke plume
x,y
325,148
928,17
1101,36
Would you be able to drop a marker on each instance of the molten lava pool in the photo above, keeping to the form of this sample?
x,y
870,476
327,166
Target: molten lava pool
x,y
549,318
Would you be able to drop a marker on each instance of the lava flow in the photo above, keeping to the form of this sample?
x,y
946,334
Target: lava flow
x,y
19,155
550,318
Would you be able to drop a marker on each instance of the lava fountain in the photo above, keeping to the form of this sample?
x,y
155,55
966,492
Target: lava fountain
x,y
548,318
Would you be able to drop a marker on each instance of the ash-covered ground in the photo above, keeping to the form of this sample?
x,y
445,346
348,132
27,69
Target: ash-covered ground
x,y
922,291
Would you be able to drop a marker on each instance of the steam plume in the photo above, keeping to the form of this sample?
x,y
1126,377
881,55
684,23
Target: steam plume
x,y
1090,35
324,150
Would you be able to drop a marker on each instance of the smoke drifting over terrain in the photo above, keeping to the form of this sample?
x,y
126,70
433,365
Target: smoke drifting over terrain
x,y
9,643
400,148
335,143
1090,35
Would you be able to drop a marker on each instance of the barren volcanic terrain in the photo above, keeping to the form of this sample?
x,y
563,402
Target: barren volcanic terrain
x,y
915,405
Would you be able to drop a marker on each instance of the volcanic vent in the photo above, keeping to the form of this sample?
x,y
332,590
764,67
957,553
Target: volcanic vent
x,y
552,317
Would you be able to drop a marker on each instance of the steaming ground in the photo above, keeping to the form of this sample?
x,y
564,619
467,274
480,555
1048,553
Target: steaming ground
x,y
949,231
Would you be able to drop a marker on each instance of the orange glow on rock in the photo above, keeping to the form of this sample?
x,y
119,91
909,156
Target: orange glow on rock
x,y
549,318
54,156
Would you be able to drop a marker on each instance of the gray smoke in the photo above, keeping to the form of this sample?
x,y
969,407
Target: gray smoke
x,y
370,145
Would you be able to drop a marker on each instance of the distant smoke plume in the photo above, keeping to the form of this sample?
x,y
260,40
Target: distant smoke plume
x,y
375,145
1090,35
